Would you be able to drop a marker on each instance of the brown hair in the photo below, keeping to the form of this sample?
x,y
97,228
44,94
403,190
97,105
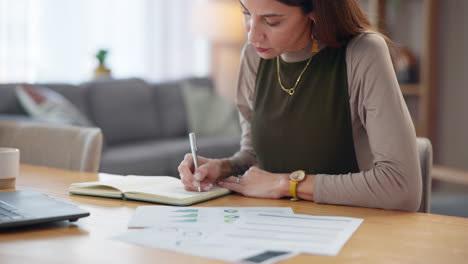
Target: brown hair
x,y
337,21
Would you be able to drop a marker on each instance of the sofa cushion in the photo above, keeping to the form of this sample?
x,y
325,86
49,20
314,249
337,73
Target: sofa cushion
x,y
50,106
170,109
162,157
9,103
75,94
208,114
123,109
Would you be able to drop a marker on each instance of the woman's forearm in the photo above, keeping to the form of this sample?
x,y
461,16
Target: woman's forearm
x,y
305,189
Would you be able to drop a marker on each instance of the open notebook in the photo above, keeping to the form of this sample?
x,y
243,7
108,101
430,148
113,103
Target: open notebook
x,y
156,189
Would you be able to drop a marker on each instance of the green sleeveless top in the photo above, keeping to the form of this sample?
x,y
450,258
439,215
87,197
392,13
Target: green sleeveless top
x,y
311,129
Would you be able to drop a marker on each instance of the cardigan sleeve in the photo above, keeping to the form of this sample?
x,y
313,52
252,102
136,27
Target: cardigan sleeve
x,y
245,157
394,181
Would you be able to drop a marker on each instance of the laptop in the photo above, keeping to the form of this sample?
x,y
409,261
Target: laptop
x,y
20,208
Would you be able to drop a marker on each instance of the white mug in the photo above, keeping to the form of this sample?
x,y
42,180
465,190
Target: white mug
x,y
9,167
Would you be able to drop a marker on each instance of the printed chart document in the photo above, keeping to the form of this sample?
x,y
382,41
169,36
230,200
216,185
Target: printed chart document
x,y
321,235
187,230
195,241
239,234
152,215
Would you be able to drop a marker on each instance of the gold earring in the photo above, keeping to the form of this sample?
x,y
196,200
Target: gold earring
x,y
315,42
315,45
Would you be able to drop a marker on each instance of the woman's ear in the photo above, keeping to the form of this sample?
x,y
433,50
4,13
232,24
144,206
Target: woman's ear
x,y
311,16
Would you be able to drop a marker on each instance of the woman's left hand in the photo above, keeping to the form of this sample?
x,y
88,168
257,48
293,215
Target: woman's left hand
x,y
258,183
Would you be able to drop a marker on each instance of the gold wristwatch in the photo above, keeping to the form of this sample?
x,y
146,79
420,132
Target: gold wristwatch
x,y
294,179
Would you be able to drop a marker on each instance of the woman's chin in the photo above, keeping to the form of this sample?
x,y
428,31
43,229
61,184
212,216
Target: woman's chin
x,y
266,55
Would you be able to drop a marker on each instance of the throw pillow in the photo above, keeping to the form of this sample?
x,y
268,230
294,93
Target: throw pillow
x,y
207,113
47,105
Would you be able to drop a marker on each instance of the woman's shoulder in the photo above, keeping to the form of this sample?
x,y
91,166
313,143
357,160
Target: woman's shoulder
x,y
367,43
250,57
249,50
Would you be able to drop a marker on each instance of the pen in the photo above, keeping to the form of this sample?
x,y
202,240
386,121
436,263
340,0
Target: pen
x,y
193,148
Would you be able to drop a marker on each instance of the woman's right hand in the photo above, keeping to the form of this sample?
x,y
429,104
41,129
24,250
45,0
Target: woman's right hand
x,y
208,173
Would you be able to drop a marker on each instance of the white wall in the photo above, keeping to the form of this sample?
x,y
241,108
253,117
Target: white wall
x,y
452,121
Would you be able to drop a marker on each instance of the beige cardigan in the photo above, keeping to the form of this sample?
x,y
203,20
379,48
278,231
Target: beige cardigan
x,y
383,133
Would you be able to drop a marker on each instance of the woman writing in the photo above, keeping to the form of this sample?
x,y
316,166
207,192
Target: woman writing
x,y
321,112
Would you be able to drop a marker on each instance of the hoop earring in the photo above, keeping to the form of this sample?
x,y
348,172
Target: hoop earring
x,y
315,42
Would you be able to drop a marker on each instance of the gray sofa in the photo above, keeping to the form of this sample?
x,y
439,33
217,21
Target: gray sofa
x,y
145,126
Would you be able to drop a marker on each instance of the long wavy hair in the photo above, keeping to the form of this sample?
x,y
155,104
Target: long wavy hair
x,y
337,21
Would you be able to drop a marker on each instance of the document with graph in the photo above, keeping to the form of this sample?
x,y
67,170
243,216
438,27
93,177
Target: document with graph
x,y
188,230
239,234
153,215
321,235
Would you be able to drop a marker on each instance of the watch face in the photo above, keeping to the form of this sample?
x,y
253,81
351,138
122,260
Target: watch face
x,y
297,175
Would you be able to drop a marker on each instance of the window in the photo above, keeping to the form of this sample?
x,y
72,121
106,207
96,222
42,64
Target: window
x,y
56,41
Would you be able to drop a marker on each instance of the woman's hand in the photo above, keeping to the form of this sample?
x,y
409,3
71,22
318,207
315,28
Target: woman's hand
x,y
258,183
207,174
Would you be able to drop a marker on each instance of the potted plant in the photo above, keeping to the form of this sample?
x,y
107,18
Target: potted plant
x,y
101,71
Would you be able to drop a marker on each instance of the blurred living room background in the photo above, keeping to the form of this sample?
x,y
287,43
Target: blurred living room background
x,y
153,47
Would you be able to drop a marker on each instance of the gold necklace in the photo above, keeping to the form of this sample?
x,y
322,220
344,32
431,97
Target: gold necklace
x,y
290,91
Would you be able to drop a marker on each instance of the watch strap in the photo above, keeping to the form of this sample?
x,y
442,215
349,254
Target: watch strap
x,y
292,190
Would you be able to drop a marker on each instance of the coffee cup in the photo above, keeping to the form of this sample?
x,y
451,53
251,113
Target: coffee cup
x,y
9,167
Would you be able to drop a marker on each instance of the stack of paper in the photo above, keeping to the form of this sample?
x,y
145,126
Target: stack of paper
x,y
239,234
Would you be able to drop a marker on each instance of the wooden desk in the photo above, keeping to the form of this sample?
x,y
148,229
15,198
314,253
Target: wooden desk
x,y
383,237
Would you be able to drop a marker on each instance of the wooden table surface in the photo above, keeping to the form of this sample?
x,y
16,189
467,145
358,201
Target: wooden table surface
x,y
384,236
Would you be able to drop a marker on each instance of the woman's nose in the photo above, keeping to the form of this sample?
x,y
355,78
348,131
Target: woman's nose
x,y
255,35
